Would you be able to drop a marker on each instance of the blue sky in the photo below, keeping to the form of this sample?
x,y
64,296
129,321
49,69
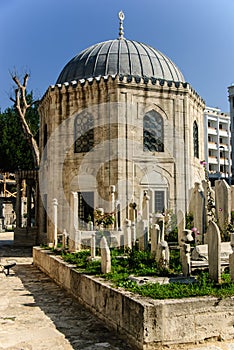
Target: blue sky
x,y
41,36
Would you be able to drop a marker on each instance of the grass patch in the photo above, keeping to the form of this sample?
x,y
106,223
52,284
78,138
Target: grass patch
x,y
138,263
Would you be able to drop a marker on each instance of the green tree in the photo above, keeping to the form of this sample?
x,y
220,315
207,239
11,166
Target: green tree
x,y
15,151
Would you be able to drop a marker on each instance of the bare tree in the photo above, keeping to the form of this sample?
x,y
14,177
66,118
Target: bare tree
x,y
22,106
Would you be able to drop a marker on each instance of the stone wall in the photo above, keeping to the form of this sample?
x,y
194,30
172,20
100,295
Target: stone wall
x,y
118,107
145,323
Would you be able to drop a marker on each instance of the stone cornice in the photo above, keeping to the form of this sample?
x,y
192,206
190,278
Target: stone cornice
x,y
142,82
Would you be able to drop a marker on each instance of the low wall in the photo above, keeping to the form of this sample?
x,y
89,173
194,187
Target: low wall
x,y
145,323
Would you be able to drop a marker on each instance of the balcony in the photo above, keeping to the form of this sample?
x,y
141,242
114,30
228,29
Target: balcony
x,y
212,131
212,160
223,133
223,147
212,145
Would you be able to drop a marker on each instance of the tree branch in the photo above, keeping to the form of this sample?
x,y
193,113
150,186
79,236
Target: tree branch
x,y
21,106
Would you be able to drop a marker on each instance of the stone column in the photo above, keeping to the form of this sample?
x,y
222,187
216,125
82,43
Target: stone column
x,y
118,216
112,199
36,204
29,203
55,218
74,224
3,222
146,213
18,203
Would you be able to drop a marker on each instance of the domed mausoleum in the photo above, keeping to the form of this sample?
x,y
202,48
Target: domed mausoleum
x,y
120,122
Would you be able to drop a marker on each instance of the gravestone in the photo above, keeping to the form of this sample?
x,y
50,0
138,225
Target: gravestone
x,y
185,250
155,239
127,235
105,256
133,233
200,252
209,194
232,198
160,220
164,254
180,224
214,251
77,240
55,220
142,233
145,211
64,239
197,208
93,245
223,203
231,258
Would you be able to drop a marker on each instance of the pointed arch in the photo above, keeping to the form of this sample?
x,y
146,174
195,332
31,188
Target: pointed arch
x,y
153,132
195,140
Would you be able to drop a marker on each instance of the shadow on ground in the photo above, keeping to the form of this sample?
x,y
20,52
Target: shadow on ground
x,y
82,329
9,250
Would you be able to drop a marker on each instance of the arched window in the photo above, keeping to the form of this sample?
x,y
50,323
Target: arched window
x,y
195,140
83,133
153,132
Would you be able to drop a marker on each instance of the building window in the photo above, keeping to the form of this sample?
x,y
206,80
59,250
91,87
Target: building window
x,y
153,132
85,208
195,140
159,202
83,133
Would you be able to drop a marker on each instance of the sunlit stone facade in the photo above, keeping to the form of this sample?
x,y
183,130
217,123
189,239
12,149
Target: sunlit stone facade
x,y
119,124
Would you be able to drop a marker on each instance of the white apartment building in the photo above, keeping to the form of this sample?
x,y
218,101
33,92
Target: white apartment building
x,y
217,142
231,104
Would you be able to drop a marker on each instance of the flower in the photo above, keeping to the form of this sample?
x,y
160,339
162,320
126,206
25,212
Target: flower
x,y
220,209
203,162
194,229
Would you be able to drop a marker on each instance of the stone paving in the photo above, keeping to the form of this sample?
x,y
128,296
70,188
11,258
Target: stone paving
x,y
36,314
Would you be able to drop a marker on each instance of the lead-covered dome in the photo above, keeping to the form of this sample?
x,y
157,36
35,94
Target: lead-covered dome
x,y
122,57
